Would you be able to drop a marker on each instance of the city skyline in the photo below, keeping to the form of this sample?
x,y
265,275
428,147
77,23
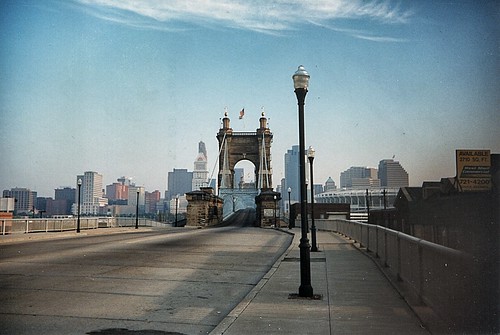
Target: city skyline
x,y
129,90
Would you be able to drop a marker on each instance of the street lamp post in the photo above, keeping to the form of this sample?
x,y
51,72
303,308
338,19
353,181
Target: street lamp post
x,y
79,182
289,208
137,211
301,82
275,222
368,206
176,208
310,157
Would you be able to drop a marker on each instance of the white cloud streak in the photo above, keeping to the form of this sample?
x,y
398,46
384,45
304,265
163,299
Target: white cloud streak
x,y
272,17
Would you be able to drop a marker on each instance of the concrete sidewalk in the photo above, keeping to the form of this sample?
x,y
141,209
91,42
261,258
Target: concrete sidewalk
x,y
356,297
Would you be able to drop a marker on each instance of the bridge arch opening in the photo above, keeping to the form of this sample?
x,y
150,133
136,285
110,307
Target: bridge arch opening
x,y
245,174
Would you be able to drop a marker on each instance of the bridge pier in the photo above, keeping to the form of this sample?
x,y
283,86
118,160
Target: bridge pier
x,y
267,214
204,208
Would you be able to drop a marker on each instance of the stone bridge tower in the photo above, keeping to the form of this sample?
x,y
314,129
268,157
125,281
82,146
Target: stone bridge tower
x,y
253,146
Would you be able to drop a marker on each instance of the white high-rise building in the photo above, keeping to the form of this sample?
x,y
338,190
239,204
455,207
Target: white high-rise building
x,y
200,172
132,196
91,192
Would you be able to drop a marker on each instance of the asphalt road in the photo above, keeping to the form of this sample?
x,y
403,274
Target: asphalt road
x,y
146,281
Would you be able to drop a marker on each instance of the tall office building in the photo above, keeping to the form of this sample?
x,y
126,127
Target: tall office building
x,y
92,201
117,191
133,192
329,185
25,199
359,177
200,172
392,174
179,182
292,174
239,175
151,201
318,188
64,199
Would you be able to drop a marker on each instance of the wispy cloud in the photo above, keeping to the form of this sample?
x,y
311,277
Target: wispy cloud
x,y
379,38
261,15
362,34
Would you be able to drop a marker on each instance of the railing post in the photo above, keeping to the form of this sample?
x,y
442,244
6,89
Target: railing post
x,y
27,226
385,248
367,238
420,271
398,239
3,227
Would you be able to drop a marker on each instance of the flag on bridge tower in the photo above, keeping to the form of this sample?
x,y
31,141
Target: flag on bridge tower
x,y
242,113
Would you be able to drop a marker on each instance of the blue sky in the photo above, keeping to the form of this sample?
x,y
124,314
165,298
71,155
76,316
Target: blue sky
x,y
129,88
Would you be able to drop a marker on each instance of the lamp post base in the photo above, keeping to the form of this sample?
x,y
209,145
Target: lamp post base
x,y
305,289
314,247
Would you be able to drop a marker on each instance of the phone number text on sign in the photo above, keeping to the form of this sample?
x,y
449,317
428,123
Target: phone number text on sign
x,y
473,170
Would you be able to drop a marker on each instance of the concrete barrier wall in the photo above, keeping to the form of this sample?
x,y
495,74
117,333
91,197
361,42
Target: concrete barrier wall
x,y
25,226
430,274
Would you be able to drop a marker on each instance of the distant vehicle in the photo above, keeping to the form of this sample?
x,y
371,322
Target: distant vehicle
x,y
62,216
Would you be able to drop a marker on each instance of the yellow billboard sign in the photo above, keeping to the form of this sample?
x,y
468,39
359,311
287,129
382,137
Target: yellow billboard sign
x,y
473,170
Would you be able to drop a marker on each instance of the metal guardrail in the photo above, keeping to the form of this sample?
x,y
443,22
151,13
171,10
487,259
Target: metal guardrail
x,y
26,226
438,276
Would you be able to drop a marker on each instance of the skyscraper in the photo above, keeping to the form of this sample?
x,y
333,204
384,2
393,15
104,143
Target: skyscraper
x,y
24,199
359,176
151,201
292,173
64,195
116,192
132,197
179,182
92,200
392,174
200,172
238,177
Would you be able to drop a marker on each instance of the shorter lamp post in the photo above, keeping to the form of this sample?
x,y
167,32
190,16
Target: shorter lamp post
x,y
78,207
310,156
275,222
176,208
289,208
137,211
367,206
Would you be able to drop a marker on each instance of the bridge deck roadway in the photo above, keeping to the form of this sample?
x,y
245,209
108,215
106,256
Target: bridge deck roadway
x,y
126,281
356,297
76,286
